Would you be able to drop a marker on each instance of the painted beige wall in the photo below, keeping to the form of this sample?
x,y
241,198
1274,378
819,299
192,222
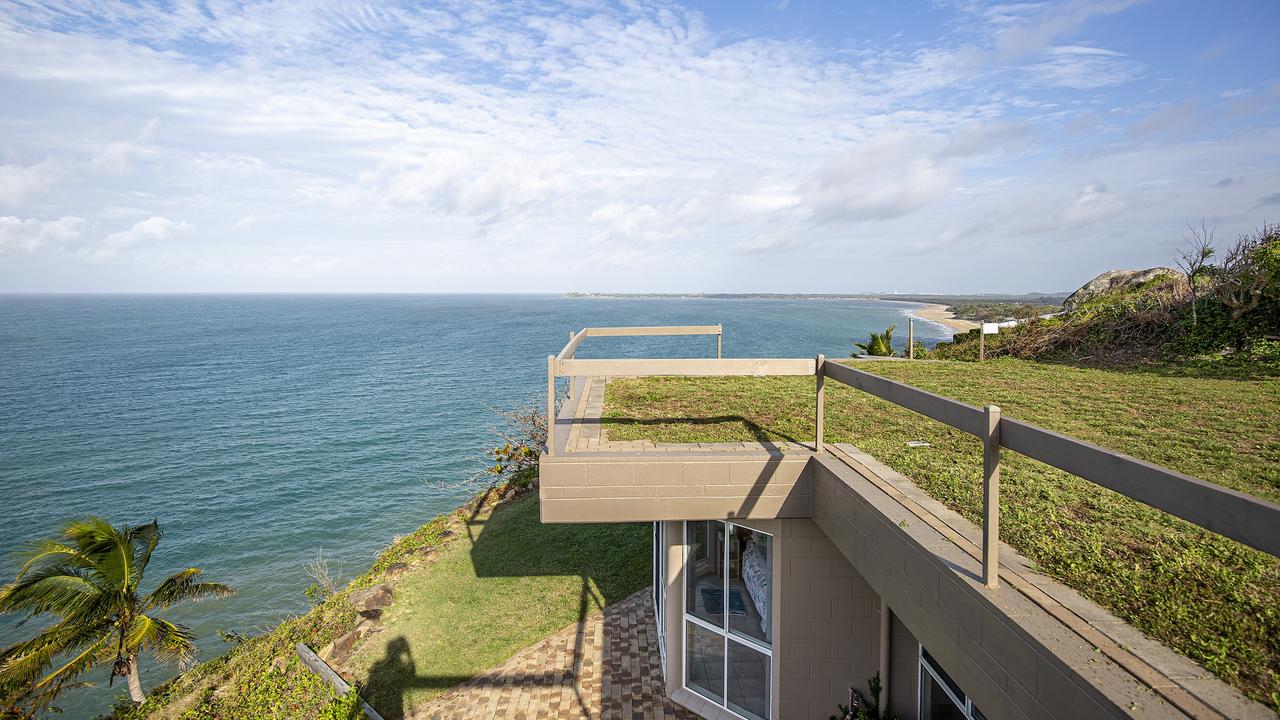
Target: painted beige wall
x,y
582,487
829,624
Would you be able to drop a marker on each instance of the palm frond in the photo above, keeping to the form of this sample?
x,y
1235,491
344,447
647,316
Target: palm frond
x,y
182,586
166,640
24,662
44,553
145,538
49,590
83,661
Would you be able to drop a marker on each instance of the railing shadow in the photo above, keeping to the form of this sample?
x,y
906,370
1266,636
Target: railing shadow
x,y
758,432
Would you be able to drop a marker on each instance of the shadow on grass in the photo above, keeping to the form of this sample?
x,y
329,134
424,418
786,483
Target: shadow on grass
x,y
758,433
608,559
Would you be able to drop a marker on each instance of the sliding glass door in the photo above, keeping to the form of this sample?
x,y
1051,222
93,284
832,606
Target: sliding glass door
x,y
727,614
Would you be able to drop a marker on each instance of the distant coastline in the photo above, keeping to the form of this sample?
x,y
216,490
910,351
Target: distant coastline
x,y
925,311
935,313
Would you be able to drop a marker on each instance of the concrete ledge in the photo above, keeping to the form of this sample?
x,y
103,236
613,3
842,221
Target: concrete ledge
x,y
646,487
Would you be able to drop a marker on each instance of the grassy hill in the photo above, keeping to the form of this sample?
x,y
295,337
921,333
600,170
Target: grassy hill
x,y
1210,598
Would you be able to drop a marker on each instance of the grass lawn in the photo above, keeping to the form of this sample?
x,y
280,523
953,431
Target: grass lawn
x,y
508,583
1211,598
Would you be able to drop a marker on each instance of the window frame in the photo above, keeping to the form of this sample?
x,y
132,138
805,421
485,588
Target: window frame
x,y
926,665
725,633
660,590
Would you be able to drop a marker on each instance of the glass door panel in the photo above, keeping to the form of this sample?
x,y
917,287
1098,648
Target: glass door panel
x,y
748,677
704,661
704,595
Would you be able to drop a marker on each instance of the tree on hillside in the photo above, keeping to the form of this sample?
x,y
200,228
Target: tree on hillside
x,y
1250,268
88,581
1193,259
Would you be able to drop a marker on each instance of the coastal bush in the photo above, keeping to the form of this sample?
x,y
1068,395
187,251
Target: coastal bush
x,y
1225,312
878,345
523,436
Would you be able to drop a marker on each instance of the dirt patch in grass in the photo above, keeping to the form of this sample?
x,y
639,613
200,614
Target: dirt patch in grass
x,y
1209,597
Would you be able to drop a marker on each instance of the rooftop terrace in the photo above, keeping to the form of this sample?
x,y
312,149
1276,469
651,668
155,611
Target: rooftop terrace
x,y
749,438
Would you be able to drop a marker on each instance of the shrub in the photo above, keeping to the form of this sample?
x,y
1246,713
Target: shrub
x,y
879,345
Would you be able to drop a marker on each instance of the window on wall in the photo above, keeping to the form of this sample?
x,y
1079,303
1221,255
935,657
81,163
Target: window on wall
x,y
728,628
940,697
660,589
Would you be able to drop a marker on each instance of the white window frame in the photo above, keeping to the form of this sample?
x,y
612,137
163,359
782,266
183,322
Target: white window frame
x,y
725,634
964,703
660,590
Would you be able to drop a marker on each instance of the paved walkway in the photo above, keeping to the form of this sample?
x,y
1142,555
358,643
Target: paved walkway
x,y
605,667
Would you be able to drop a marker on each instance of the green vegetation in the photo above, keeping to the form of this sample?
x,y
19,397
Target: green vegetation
x,y
508,582
1211,598
1000,311
879,345
88,581
484,582
1228,309
262,677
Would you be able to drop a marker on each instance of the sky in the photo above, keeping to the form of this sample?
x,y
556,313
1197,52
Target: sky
x,y
736,146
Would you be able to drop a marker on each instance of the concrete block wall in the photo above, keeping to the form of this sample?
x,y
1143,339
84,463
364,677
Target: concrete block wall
x,y
904,671
828,632
642,488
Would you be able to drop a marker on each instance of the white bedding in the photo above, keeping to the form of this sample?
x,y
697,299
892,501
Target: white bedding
x,y
755,575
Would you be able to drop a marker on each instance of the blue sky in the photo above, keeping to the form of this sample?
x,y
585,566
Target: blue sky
x,y
540,147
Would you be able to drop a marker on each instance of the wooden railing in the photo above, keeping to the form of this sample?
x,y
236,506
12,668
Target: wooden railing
x,y
1236,515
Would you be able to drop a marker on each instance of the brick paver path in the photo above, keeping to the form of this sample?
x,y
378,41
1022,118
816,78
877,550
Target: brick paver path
x,y
603,668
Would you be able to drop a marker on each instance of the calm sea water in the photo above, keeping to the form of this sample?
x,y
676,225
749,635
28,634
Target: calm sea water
x,y
262,430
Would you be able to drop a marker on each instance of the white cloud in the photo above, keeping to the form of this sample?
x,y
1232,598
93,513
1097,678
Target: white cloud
x,y
885,177
18,182
1093,204
145,232
371,141
30,234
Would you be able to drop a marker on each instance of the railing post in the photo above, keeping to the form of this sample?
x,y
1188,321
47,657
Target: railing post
x,y
719,343
569,393
551,404
821,376
911,339
991,497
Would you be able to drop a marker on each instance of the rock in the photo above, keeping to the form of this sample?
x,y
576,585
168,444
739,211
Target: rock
x,y
371,601
325,653
342,647
395,570
279,664
1115,280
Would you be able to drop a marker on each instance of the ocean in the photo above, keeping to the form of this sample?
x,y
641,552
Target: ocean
x,y
261,431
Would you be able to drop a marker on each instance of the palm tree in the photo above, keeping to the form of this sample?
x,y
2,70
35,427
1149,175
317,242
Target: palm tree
x,y
880,344
88,580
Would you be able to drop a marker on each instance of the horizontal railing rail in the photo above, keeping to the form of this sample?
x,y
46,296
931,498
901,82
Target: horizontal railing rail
x,y
1236,515
690,367
943,409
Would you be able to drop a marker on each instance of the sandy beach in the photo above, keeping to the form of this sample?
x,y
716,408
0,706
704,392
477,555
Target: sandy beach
x,y
933,312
